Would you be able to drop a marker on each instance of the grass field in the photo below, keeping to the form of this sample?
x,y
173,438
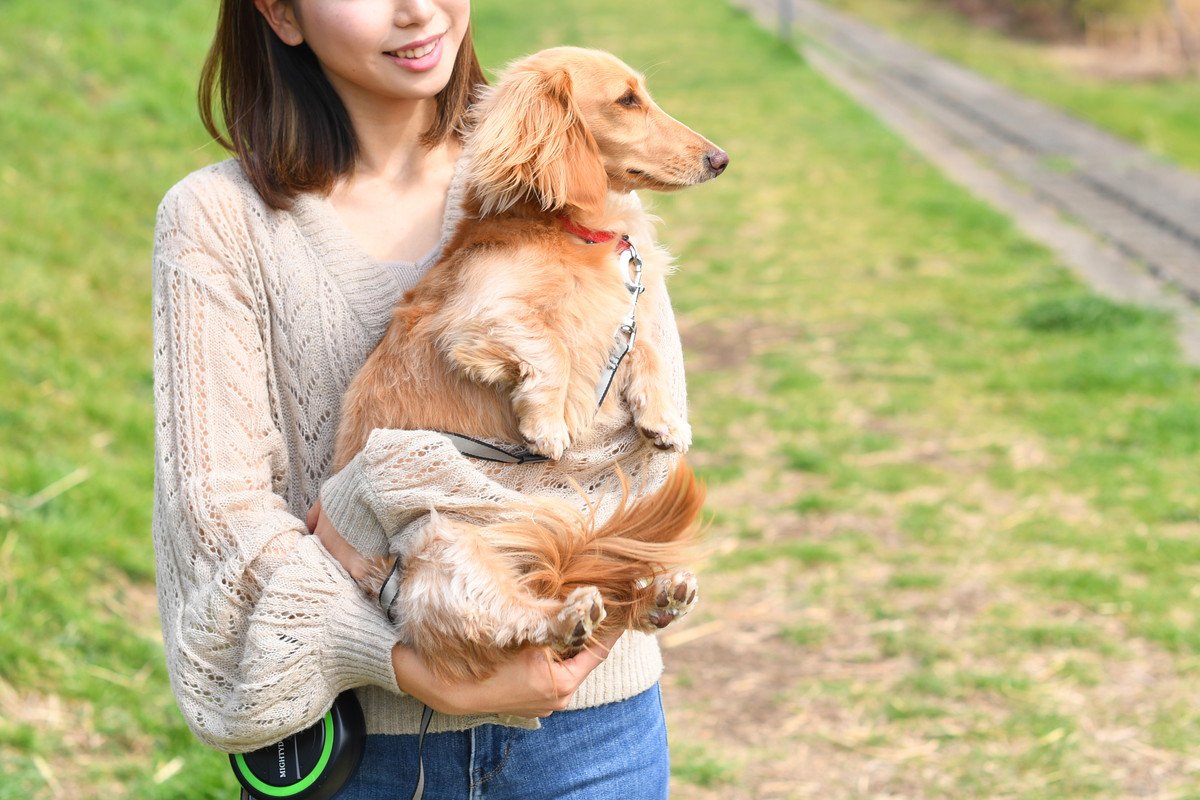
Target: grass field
x,y
953,493
1162,116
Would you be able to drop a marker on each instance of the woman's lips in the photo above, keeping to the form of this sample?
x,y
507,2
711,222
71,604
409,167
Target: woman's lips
x,y
419,58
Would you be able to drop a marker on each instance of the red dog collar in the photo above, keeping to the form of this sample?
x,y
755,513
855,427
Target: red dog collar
x,y
594,237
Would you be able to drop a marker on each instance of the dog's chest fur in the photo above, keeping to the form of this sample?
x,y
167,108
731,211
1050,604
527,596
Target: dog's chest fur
x,y
575,294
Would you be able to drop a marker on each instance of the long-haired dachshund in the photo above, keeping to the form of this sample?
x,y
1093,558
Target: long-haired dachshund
x,y
507,336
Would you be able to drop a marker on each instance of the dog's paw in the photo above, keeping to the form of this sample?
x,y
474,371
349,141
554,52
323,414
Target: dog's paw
x,y
674,596
546,437
671,432
582,613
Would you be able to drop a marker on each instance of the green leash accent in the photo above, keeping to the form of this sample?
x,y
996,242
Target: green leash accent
x,y
268,790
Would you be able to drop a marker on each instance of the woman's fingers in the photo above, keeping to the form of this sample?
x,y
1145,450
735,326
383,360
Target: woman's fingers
x,y
351,560
593,654
568,675
530,684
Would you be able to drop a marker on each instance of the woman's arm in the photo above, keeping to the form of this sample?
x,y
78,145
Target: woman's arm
x,y
262,629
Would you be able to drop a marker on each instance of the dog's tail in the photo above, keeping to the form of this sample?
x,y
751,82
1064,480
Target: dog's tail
x,y
557,549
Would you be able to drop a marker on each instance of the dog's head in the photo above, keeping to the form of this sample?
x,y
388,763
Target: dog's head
x,y
563,126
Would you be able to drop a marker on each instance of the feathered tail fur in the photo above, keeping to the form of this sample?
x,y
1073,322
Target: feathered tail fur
x,y
474,593
641,540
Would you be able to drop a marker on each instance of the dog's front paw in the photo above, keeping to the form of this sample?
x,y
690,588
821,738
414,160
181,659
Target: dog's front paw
x,y
549,438
582,613
671,432
674,596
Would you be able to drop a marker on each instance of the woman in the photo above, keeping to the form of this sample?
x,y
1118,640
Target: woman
x,y
274,276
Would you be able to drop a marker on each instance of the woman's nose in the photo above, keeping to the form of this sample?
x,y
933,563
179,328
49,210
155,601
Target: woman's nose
x,y
414,12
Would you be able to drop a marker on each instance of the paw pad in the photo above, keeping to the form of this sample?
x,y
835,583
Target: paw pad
x,y
675,595
582,612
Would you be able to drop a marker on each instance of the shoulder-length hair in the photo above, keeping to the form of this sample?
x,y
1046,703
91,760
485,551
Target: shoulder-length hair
x,y
282,118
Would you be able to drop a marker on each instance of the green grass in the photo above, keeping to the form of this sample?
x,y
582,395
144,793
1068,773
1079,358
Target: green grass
x,y
695,764
958,483
805,635
1160,115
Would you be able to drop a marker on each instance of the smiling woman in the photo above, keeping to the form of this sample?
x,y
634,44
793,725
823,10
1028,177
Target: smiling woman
x,y
275,274
287,78
348,38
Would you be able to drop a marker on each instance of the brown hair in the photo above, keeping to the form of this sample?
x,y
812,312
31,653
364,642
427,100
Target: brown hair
x,y
282,117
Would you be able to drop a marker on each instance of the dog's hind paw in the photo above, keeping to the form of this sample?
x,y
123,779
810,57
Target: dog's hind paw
x,y
674,596
582,613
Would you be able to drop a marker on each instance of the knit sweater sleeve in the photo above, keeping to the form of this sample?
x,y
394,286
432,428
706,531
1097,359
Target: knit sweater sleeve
x,y
262,628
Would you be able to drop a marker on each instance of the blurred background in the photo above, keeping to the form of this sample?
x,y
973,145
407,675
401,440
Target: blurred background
x,y
953,480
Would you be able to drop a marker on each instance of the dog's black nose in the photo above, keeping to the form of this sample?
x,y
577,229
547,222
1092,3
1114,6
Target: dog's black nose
x,y
717,161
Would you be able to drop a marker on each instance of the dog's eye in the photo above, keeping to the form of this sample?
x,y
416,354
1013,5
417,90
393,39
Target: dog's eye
x,y
629,100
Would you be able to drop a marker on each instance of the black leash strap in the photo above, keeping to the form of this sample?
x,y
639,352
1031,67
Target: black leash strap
x,y
390,589
426,716
387,596
475,448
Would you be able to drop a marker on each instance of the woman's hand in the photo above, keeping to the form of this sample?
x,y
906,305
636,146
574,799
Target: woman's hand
x,y
351,560
530,684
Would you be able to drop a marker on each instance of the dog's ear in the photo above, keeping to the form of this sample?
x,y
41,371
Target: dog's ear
x,y
529,141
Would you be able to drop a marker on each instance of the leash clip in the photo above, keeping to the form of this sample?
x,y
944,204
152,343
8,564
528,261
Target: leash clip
x,y
631,258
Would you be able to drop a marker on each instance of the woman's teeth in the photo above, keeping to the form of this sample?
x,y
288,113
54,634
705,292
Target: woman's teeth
x,y
417,52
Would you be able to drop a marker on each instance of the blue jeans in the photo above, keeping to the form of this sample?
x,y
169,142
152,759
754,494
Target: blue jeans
x,y
617,751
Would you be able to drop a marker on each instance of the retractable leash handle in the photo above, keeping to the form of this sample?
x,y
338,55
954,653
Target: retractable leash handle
x,y
313,764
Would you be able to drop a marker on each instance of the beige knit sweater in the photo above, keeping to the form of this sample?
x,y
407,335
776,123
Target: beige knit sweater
x,y
261,318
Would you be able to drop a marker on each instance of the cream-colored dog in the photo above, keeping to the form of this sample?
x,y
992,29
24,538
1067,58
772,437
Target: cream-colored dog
x,y
507,336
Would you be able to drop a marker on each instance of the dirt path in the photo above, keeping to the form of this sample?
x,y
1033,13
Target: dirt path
x,y
1128,224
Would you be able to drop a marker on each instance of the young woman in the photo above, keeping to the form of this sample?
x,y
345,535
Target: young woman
x,y
275,273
